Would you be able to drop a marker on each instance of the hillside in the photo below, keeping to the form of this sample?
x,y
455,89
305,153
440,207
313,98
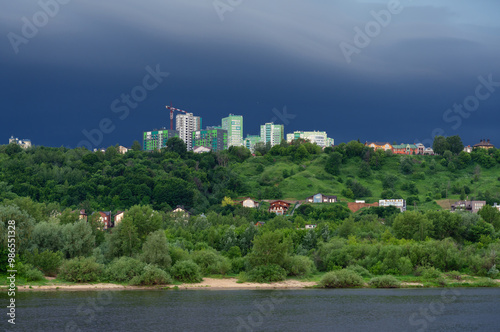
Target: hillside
x,y
111,181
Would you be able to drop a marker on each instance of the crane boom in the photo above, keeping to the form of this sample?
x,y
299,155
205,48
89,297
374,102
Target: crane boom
x,y
172,110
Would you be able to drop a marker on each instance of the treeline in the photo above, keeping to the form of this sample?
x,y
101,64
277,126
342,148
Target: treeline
x,y
154,247
110,181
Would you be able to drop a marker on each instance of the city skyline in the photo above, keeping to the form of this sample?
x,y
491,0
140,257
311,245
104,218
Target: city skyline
x,y
357,70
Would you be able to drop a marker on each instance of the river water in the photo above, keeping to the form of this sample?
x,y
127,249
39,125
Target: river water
x,y
462,309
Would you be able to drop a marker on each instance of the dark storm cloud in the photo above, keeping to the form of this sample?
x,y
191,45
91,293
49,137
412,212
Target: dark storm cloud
x,y
264,55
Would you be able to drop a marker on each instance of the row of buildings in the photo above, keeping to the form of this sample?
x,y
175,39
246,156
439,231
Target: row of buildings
x,y
230,133
282,207
24,143
412,149
408,149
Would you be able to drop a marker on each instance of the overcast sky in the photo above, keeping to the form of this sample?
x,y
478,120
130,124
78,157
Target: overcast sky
x,y
65,74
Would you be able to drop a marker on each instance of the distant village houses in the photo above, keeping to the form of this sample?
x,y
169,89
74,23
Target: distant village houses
x,y
117,218
279,207
470,206
408,149
105,218
399,203
320,198
484,144
250,203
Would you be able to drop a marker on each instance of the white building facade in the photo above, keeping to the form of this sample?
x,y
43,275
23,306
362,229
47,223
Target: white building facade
x,y
318,137
399,203
186,124
272,133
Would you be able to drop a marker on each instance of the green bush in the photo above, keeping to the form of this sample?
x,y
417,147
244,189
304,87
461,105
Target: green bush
x,y
341,279
81,269
124,269
267,273
405,266
385,282
151,275
493,272
186,271
431,273
360,270
454,275
29,272
178,254
299,266
211,262
47,261
237,265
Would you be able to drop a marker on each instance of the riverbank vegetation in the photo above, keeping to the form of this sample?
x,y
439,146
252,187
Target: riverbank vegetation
x,y
42,187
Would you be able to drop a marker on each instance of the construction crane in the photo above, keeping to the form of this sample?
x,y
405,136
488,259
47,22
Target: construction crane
x,y
172,110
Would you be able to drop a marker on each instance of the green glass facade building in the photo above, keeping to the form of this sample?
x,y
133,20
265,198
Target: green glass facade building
x,y
234,126
157,139
214,139
250,142
272,133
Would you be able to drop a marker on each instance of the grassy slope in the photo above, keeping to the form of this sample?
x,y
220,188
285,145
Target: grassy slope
x,y
309,177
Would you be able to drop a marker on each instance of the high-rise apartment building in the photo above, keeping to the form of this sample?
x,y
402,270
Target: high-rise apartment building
x,y
234,126
250,142
272,133
318,137
186,124
213,139
157,139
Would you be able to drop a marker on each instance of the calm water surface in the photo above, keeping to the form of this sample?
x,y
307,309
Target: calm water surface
x,y
476,309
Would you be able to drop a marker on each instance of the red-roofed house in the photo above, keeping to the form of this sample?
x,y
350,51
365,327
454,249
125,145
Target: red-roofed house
x,y
279,207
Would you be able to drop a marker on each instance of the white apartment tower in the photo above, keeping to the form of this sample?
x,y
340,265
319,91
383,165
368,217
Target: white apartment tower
x,y
185,124
271,133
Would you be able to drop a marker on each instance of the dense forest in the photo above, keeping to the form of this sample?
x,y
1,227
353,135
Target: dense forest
x,y
40,189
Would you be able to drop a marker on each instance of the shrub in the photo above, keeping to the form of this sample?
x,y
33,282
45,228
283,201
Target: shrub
x,y
178,254
385,282
211,262
152,275
341,279
124,269
237,265
454,275
47,261
33,275
29,272
186,271
299,266
81,269
431,273
267,273
493,272
405,266
360,270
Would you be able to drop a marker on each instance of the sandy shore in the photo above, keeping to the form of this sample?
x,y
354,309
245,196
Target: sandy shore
x,y
207,283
